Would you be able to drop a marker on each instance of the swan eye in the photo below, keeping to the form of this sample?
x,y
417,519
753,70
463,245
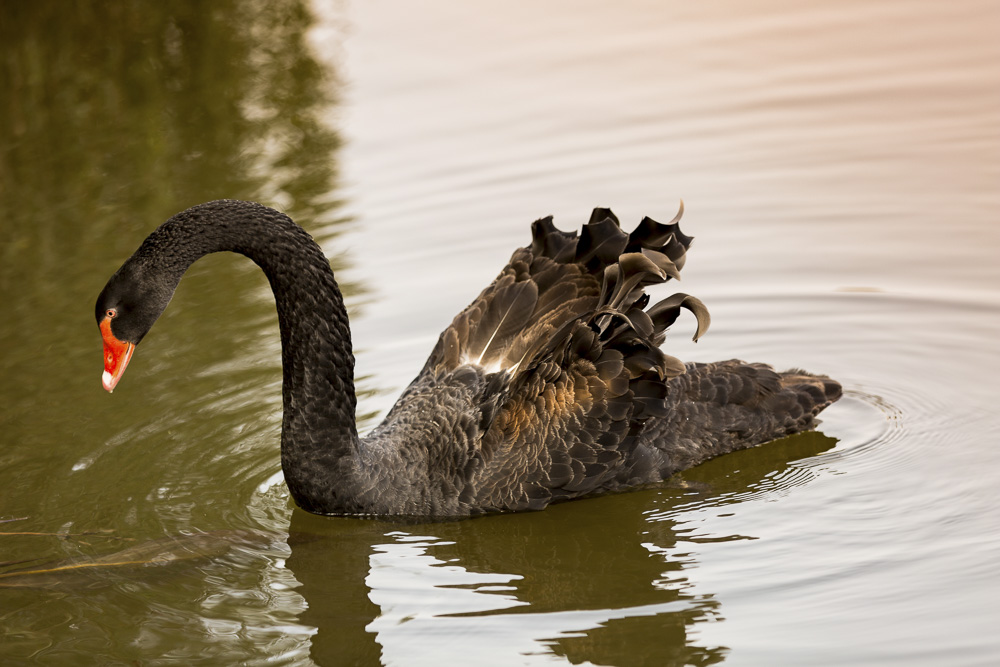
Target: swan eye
x,y
112,313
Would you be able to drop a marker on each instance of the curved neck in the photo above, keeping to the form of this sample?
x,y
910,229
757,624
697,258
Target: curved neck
x,y
319,440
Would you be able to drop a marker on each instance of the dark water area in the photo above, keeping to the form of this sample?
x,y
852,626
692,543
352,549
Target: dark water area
x,y
838,164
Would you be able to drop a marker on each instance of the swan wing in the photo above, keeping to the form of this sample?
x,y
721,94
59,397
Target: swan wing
x,y
572,348
560,277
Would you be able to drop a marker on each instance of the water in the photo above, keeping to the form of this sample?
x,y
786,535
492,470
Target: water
x,y
838,163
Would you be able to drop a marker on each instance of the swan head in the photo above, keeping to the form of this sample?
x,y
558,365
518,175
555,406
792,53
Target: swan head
x,y
126,310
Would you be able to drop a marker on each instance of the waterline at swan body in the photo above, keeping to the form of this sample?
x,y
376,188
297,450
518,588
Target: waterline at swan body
x,y
550,386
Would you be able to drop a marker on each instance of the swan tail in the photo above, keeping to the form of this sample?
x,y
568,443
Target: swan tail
x,y
720,407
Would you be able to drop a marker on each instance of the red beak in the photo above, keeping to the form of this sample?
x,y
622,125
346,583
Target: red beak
x,y
116,356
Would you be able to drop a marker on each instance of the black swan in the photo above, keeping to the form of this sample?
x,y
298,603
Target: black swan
x,y
550,386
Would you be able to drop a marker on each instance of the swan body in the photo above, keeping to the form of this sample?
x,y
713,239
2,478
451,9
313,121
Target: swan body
x,y
550,386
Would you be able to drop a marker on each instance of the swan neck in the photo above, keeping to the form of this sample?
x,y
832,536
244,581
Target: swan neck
x,y
319,440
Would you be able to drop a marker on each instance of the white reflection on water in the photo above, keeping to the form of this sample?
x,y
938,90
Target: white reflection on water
x,y
432,610
838,162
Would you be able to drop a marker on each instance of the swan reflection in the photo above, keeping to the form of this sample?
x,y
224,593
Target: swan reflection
x,y
579,580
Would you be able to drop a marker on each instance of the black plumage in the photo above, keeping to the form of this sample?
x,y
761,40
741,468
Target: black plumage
x,y
551,385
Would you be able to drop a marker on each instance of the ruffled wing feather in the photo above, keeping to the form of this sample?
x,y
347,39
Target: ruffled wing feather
x,y
574,383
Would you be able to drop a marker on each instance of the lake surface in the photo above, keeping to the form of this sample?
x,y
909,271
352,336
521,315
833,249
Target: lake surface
x,y
839,165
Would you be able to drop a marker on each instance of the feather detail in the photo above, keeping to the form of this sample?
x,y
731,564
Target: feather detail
x,y
505,316
667,311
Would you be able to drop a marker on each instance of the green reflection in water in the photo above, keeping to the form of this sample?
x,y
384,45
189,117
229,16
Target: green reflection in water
x,y
150,107
114,116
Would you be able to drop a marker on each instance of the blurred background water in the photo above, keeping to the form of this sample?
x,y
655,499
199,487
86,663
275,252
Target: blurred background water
x,y
838,163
